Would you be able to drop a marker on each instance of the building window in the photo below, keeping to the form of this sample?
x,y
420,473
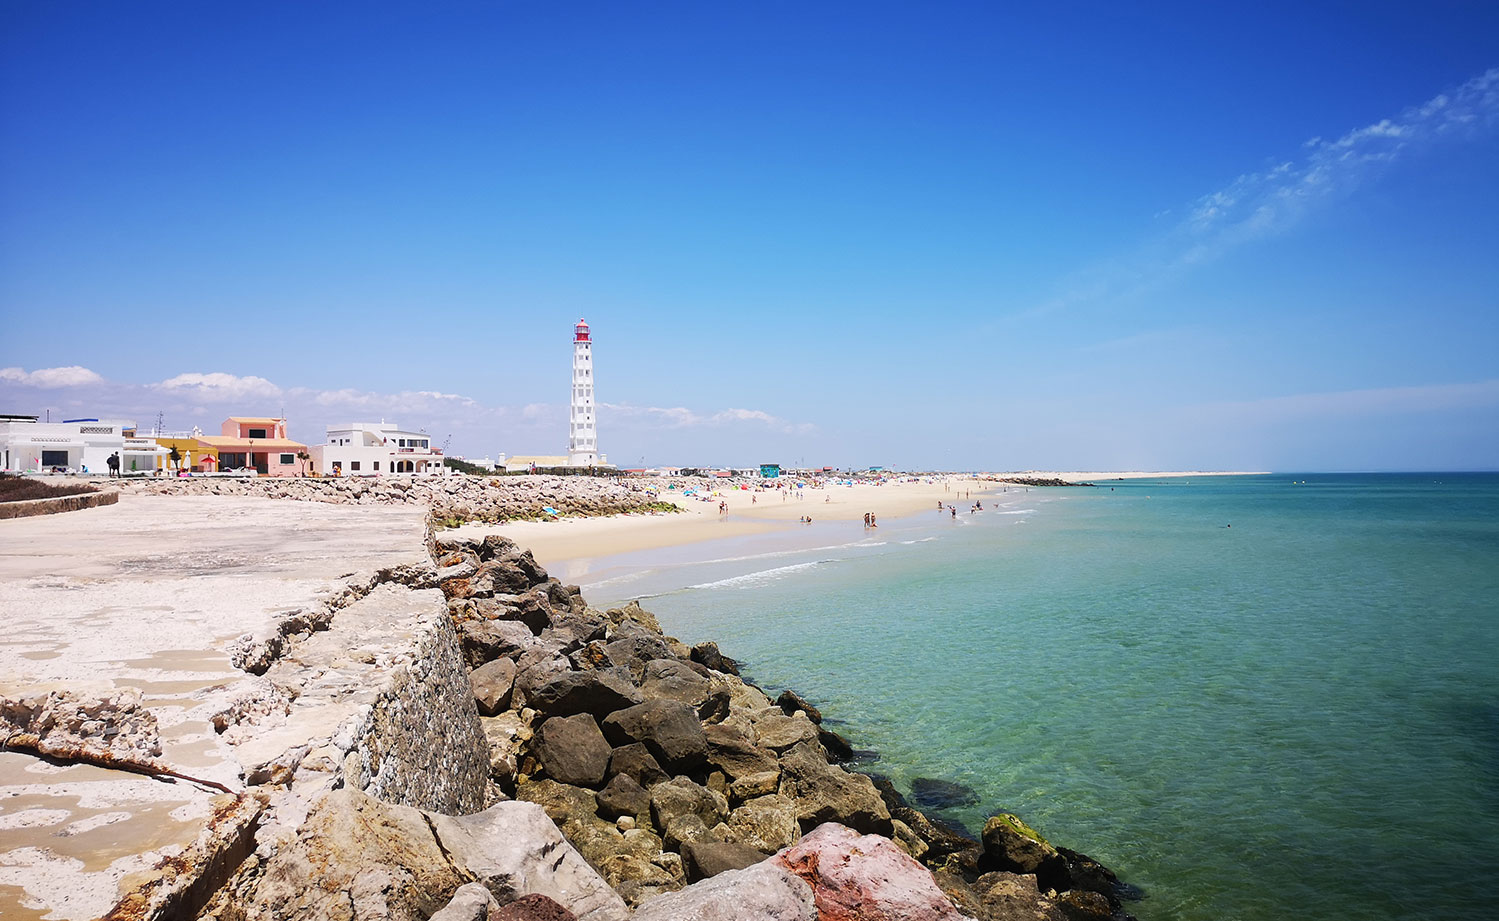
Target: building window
x,y
256,433
353,465
377,466
54,458
288,459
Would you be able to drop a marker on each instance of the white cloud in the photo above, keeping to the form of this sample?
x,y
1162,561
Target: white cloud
x,y
51,378
218,386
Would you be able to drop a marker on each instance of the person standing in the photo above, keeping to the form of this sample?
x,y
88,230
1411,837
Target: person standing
x,y
114,464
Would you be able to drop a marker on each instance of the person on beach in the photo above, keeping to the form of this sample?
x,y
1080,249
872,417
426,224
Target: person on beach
x,y
954,510
114,464
866,519
872,522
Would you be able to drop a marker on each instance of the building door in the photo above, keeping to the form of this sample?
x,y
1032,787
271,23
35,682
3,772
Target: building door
x,y
262,465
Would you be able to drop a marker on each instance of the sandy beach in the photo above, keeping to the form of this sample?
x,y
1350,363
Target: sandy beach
x,y
570,545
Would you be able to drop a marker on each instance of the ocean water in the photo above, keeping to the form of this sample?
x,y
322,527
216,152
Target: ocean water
x,y
1253,697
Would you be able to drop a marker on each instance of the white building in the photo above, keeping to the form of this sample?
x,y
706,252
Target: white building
x,y
583,433
375,449
74,446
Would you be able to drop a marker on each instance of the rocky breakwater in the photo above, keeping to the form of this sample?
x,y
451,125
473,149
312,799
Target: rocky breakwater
x,y
665,769
452,499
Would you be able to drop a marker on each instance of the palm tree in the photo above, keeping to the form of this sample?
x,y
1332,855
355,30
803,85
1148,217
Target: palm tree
x,y
176,458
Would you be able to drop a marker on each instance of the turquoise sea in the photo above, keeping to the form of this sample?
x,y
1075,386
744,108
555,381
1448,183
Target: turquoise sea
x,y
1253,697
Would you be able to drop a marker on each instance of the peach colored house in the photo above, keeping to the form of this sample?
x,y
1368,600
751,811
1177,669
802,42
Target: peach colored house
x,y
257,443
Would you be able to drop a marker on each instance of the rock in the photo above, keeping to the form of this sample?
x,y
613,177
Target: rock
x,y
634,650
636,761
824,793
680,796
1010,844
763,892
837,746
532,908
1083,905
908,841
864,878
1087,873
935,793
492,683
766,823
571,632
731,748
572,750
357,857
684,829
674,680
599,692
486,640
623,797
791,702
776,730
669,729
505,734
708,655
562,802
501,578
752,786
999,897
633,613
472,902
515,850
704,859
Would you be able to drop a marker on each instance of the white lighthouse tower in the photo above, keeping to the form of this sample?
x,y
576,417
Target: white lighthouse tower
x,y
583,435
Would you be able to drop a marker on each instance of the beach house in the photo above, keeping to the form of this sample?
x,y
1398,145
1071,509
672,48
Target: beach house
x,y
255,443
73,446
374,449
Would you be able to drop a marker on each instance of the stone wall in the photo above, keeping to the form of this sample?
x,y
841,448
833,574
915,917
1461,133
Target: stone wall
x,y
57,504
421,743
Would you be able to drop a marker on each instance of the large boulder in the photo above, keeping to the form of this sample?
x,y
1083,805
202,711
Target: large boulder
x,y
637,761
633,614
633,650
1010,844
623,796
708,655
355,856
506,734
766,823
763,892
486,640
939,838
492,683
515,850
532,908
599,692
731,749
572,750
472,902
865,878
824,793
791,702
563,803
680,796
669,729
704,859
776,730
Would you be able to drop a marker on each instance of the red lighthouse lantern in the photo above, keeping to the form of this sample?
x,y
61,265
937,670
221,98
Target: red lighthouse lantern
x,y
580,332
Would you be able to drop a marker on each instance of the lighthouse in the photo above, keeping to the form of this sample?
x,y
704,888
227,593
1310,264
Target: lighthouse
x,y
583,434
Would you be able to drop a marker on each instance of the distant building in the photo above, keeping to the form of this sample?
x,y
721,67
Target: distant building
x,y
73,446
770,471
255,443
375,448
524,463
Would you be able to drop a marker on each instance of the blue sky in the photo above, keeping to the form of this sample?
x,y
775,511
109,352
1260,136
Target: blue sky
x,y
937,235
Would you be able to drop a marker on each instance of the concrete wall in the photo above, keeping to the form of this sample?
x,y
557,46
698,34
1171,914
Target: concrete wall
x,y
58,504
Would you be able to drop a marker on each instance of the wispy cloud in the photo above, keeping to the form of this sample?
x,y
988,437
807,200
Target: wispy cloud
x,y
1261,204
682,417
1348,403
51,378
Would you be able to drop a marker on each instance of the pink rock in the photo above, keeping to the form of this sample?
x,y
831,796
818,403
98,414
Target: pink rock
x,y
858,877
